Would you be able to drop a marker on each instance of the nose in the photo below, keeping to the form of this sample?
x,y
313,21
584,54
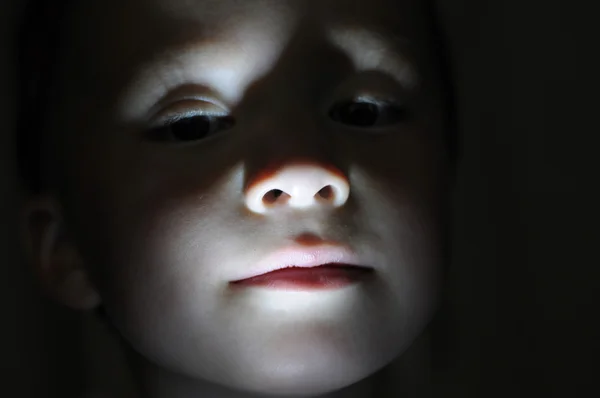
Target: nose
x,y
298,187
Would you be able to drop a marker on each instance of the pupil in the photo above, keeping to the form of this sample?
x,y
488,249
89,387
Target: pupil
x,y
362,114
189,129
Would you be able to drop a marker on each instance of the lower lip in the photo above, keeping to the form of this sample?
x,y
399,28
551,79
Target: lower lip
x,y
315,278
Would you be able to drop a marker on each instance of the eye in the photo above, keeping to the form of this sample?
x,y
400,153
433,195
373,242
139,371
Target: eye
x,y
366,113
191,128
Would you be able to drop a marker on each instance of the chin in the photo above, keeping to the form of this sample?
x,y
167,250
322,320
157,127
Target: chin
x,y
304,371
305,380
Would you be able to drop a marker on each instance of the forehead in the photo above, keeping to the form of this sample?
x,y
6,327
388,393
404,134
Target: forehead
x,y
219,14
125,26
123,43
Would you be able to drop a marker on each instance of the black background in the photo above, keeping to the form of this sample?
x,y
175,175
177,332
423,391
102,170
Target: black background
x,y
525,264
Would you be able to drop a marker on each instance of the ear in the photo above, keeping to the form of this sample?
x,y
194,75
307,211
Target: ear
x,y
54,256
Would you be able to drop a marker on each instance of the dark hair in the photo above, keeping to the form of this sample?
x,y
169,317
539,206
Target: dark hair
x,y
38,37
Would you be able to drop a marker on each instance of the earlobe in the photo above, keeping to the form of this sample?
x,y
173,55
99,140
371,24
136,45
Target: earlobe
x,y
54,256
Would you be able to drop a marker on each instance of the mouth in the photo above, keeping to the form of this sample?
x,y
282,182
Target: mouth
x,y
326,276
320,268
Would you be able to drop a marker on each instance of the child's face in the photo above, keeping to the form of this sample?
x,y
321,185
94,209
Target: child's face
x,y
295,96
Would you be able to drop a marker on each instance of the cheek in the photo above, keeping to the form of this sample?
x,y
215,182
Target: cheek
x,y
403,232
156,240
156,278
153,246
400,198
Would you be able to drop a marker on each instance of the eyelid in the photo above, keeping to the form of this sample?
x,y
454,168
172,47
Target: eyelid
x,y
378,100
370,86
381,101
184,109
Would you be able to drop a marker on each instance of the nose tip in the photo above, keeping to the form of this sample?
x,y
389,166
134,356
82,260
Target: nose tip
x,y
298,187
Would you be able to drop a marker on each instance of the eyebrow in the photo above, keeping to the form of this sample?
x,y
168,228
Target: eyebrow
x,y
387,51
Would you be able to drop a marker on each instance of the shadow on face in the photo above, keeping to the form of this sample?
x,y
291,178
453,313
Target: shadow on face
x,y
208,141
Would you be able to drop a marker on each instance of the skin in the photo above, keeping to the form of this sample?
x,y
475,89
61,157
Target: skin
x,y
155,229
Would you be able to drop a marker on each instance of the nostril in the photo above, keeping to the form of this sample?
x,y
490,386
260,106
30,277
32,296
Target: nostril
x,y
298,187
326,193
275,195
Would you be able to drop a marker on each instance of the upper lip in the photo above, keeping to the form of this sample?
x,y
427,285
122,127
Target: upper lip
x,y
303,257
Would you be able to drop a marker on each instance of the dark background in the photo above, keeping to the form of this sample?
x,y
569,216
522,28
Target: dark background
x,y
525,263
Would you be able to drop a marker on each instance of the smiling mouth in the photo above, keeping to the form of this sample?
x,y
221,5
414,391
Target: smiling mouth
x,y
323,277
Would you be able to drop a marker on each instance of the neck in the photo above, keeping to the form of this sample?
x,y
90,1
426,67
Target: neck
x,y
407,377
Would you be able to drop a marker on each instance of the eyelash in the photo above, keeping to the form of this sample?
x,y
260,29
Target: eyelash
x,y
365,113
392,112
215,123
